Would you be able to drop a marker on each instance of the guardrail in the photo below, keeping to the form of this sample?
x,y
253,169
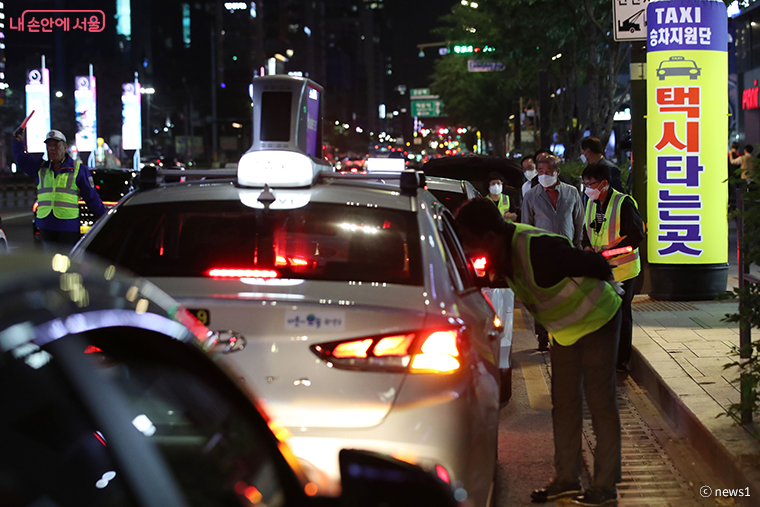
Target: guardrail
x,y
16,193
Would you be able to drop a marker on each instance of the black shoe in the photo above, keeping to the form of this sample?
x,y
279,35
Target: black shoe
x,y
555,490
596,496
543,343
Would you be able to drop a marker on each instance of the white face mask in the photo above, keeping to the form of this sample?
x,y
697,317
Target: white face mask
x,y
583,158
530,174
592,193
495,189
547,181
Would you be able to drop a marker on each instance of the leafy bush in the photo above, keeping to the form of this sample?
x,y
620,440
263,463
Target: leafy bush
x,y
748,315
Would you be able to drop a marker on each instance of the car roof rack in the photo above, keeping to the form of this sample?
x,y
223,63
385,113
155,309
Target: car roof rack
x,y
409,180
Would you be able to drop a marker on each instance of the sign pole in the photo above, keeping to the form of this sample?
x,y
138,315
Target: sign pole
x,y
639,148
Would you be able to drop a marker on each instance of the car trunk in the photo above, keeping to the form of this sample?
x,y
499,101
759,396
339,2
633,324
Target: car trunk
x,y
280,323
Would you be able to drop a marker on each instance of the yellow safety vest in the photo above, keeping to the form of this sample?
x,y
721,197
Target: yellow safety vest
x,y
569,310
58,194
624,267
502,204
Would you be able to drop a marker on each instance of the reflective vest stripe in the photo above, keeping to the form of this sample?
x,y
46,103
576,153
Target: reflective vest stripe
x,y
626,266
502,204
570,309
58,194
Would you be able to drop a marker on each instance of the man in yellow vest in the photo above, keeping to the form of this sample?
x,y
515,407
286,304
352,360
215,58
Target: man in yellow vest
x,y
613,223
568,291
60,184
501,200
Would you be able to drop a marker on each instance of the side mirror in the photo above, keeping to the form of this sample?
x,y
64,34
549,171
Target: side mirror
x,y
370,479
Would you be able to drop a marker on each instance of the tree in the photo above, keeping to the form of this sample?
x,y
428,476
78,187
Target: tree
x,y
474,98
570,39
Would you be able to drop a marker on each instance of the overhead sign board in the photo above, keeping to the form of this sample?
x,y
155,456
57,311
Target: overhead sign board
x,y
630,19
687,66
419,92
478,66
427,108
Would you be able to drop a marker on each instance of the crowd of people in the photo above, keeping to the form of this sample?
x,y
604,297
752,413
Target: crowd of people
x,y
572,259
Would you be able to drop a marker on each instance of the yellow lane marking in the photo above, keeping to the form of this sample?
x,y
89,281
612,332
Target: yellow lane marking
x,y
518,323
535,383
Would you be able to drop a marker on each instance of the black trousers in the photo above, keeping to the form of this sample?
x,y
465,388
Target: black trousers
x,y
626,324
587,367
58,241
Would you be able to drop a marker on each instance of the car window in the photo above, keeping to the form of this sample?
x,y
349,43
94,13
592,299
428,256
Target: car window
x,y
219,449
452,200
52,451
455,252
316,242
219,455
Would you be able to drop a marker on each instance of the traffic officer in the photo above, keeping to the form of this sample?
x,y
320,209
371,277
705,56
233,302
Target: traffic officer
x,y
495,188
567,290
60,183
613,222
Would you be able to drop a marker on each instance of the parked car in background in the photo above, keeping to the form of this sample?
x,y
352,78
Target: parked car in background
x,y
111,184
476,169
109,398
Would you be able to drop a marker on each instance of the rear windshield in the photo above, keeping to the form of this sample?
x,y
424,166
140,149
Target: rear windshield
x,y
316,242
452,200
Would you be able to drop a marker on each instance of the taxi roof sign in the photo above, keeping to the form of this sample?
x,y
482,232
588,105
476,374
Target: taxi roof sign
x,y
287,115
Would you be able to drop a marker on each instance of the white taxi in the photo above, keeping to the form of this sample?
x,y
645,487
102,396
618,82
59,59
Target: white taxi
x,y
346,301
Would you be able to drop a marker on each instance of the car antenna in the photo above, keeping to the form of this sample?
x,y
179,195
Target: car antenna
x,y
266,197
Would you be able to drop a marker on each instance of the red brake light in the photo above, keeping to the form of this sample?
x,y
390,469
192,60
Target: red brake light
x,y
242,273
91,349
480,266
421,352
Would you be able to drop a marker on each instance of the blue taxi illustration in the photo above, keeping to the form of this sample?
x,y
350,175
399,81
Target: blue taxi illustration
x,y
678,66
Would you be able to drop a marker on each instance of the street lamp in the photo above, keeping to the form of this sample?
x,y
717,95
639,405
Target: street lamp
x,y
147,91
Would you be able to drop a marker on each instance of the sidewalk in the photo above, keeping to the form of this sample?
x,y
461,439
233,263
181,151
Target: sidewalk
x,y
679,349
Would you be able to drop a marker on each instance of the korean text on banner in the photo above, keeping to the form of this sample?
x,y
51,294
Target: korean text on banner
x,y
687,129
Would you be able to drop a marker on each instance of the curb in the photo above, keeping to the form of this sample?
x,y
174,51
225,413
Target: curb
x,y
724,464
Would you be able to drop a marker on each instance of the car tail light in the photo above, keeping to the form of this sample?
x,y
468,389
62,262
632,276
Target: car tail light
x,y
480,266
242,273
428,351
281,261
442,473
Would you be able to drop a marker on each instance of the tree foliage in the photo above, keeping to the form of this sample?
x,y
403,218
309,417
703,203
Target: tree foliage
x,y
528,36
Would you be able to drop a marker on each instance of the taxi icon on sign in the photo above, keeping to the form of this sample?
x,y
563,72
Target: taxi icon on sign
x,y
678,66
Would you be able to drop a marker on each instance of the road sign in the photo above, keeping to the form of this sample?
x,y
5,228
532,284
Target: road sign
x,y
478,66
427,108
630,19
418,92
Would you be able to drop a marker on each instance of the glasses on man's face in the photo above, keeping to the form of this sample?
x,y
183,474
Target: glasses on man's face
x,y
592,184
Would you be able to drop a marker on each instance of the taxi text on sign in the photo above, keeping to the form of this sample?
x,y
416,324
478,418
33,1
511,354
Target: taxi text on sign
x,y
687,128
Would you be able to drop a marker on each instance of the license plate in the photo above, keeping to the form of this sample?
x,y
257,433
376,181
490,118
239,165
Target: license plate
x,y
203,315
